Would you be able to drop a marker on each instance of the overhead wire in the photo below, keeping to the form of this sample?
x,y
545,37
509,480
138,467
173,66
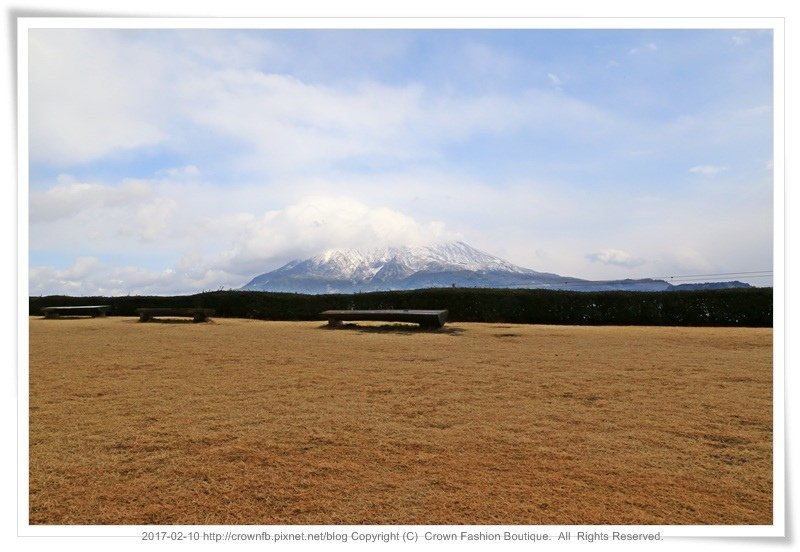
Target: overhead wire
x,y
686,278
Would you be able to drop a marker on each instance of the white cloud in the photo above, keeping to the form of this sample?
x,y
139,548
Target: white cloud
x,y
90,96
287,123
616,257
98,92
221,48
153,220
69,280
94,93
70,198
89,276
707,170
319,223
82,267
98,217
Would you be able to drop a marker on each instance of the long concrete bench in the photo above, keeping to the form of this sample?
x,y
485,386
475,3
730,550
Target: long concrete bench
x,y
425,318
197,314
76,310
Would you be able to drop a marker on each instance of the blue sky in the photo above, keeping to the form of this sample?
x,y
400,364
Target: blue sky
x,y
171,161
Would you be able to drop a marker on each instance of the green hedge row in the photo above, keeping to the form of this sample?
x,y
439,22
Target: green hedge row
x,y
721,307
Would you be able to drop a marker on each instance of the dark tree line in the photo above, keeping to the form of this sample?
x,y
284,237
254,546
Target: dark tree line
x,y
720,307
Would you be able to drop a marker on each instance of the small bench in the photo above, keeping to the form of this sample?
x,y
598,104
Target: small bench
x,y
425,318
78,310
197,314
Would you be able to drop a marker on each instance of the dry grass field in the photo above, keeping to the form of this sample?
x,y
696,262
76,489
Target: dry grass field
x,y
254,422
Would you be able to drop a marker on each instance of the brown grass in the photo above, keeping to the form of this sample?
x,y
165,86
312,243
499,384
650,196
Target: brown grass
x,y
253,422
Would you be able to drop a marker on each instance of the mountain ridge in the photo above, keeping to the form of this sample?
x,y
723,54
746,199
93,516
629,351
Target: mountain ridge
x,y
449,264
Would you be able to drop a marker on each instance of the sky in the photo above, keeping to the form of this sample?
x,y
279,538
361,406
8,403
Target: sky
x,y
176,161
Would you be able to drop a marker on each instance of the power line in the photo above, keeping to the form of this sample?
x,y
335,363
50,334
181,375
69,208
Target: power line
x,y
684,278
699,279
740,274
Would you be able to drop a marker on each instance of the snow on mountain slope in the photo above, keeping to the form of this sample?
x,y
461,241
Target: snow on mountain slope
x,y
363,264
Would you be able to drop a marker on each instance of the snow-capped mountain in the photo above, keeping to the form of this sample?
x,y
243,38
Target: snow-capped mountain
x,y
444,265
390,263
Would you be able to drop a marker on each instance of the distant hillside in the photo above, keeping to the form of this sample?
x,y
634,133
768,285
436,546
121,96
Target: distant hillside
x,y
711,285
